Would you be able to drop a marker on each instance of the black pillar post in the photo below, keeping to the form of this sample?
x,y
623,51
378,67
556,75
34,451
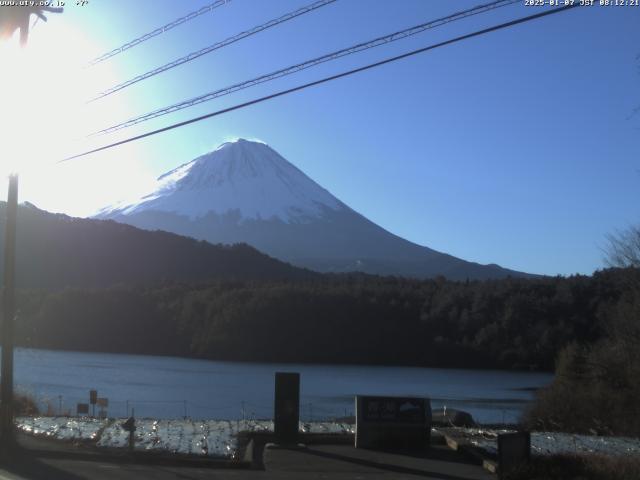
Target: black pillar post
x,y
287,407
8,314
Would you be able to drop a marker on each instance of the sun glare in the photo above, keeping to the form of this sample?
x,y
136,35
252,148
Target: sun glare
x,y
40,98
44,115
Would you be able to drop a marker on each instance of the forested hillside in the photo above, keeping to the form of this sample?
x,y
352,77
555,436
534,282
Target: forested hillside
x,y
510,323
57,251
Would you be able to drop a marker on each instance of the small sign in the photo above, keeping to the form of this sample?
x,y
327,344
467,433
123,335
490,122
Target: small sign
x,y
129,425
83,409
103,402
93,397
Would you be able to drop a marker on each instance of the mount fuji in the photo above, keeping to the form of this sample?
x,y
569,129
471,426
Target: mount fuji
x,y
244,191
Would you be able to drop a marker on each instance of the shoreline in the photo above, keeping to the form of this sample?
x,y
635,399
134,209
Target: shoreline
x,y
469,368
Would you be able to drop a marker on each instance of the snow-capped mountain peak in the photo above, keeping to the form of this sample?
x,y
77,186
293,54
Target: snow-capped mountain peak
x,y
245,177
244,191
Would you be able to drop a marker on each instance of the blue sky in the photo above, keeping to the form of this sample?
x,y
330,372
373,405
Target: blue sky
x,y
518,147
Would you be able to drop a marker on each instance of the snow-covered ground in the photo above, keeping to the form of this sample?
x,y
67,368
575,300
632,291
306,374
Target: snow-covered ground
x,y
207,437
215,438
548,443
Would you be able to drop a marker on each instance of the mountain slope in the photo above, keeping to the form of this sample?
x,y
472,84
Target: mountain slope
x,y
245,191
56,251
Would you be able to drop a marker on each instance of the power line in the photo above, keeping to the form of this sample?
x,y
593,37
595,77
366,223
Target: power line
x,y
324,80
307,64
158,31
216,46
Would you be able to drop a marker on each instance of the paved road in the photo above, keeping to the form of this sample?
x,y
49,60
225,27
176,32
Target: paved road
x,y
341,462
334,462
49,469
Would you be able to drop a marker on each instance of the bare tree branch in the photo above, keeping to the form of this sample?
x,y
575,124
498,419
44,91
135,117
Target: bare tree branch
x,y
623,249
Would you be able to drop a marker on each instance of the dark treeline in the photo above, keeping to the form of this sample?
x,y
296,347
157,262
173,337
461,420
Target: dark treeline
x,y
510,323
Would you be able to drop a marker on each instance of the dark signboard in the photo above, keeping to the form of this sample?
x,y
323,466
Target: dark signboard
x,y
393,409
393,422
93,397
83,409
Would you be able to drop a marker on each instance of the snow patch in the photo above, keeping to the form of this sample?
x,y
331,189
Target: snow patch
x,y
212,438
553,443
62,428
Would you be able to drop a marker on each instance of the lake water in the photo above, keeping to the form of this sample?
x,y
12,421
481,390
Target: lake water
x,y
168,387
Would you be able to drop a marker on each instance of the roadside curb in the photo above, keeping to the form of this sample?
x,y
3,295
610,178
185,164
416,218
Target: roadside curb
x,y
251,445
470,451
47,448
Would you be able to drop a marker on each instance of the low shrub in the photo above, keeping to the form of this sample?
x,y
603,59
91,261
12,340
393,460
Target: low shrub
x,y
596,388
578,467
25,405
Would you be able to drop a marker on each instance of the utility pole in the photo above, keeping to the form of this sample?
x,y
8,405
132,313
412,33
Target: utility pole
x,y
8,315
13,18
